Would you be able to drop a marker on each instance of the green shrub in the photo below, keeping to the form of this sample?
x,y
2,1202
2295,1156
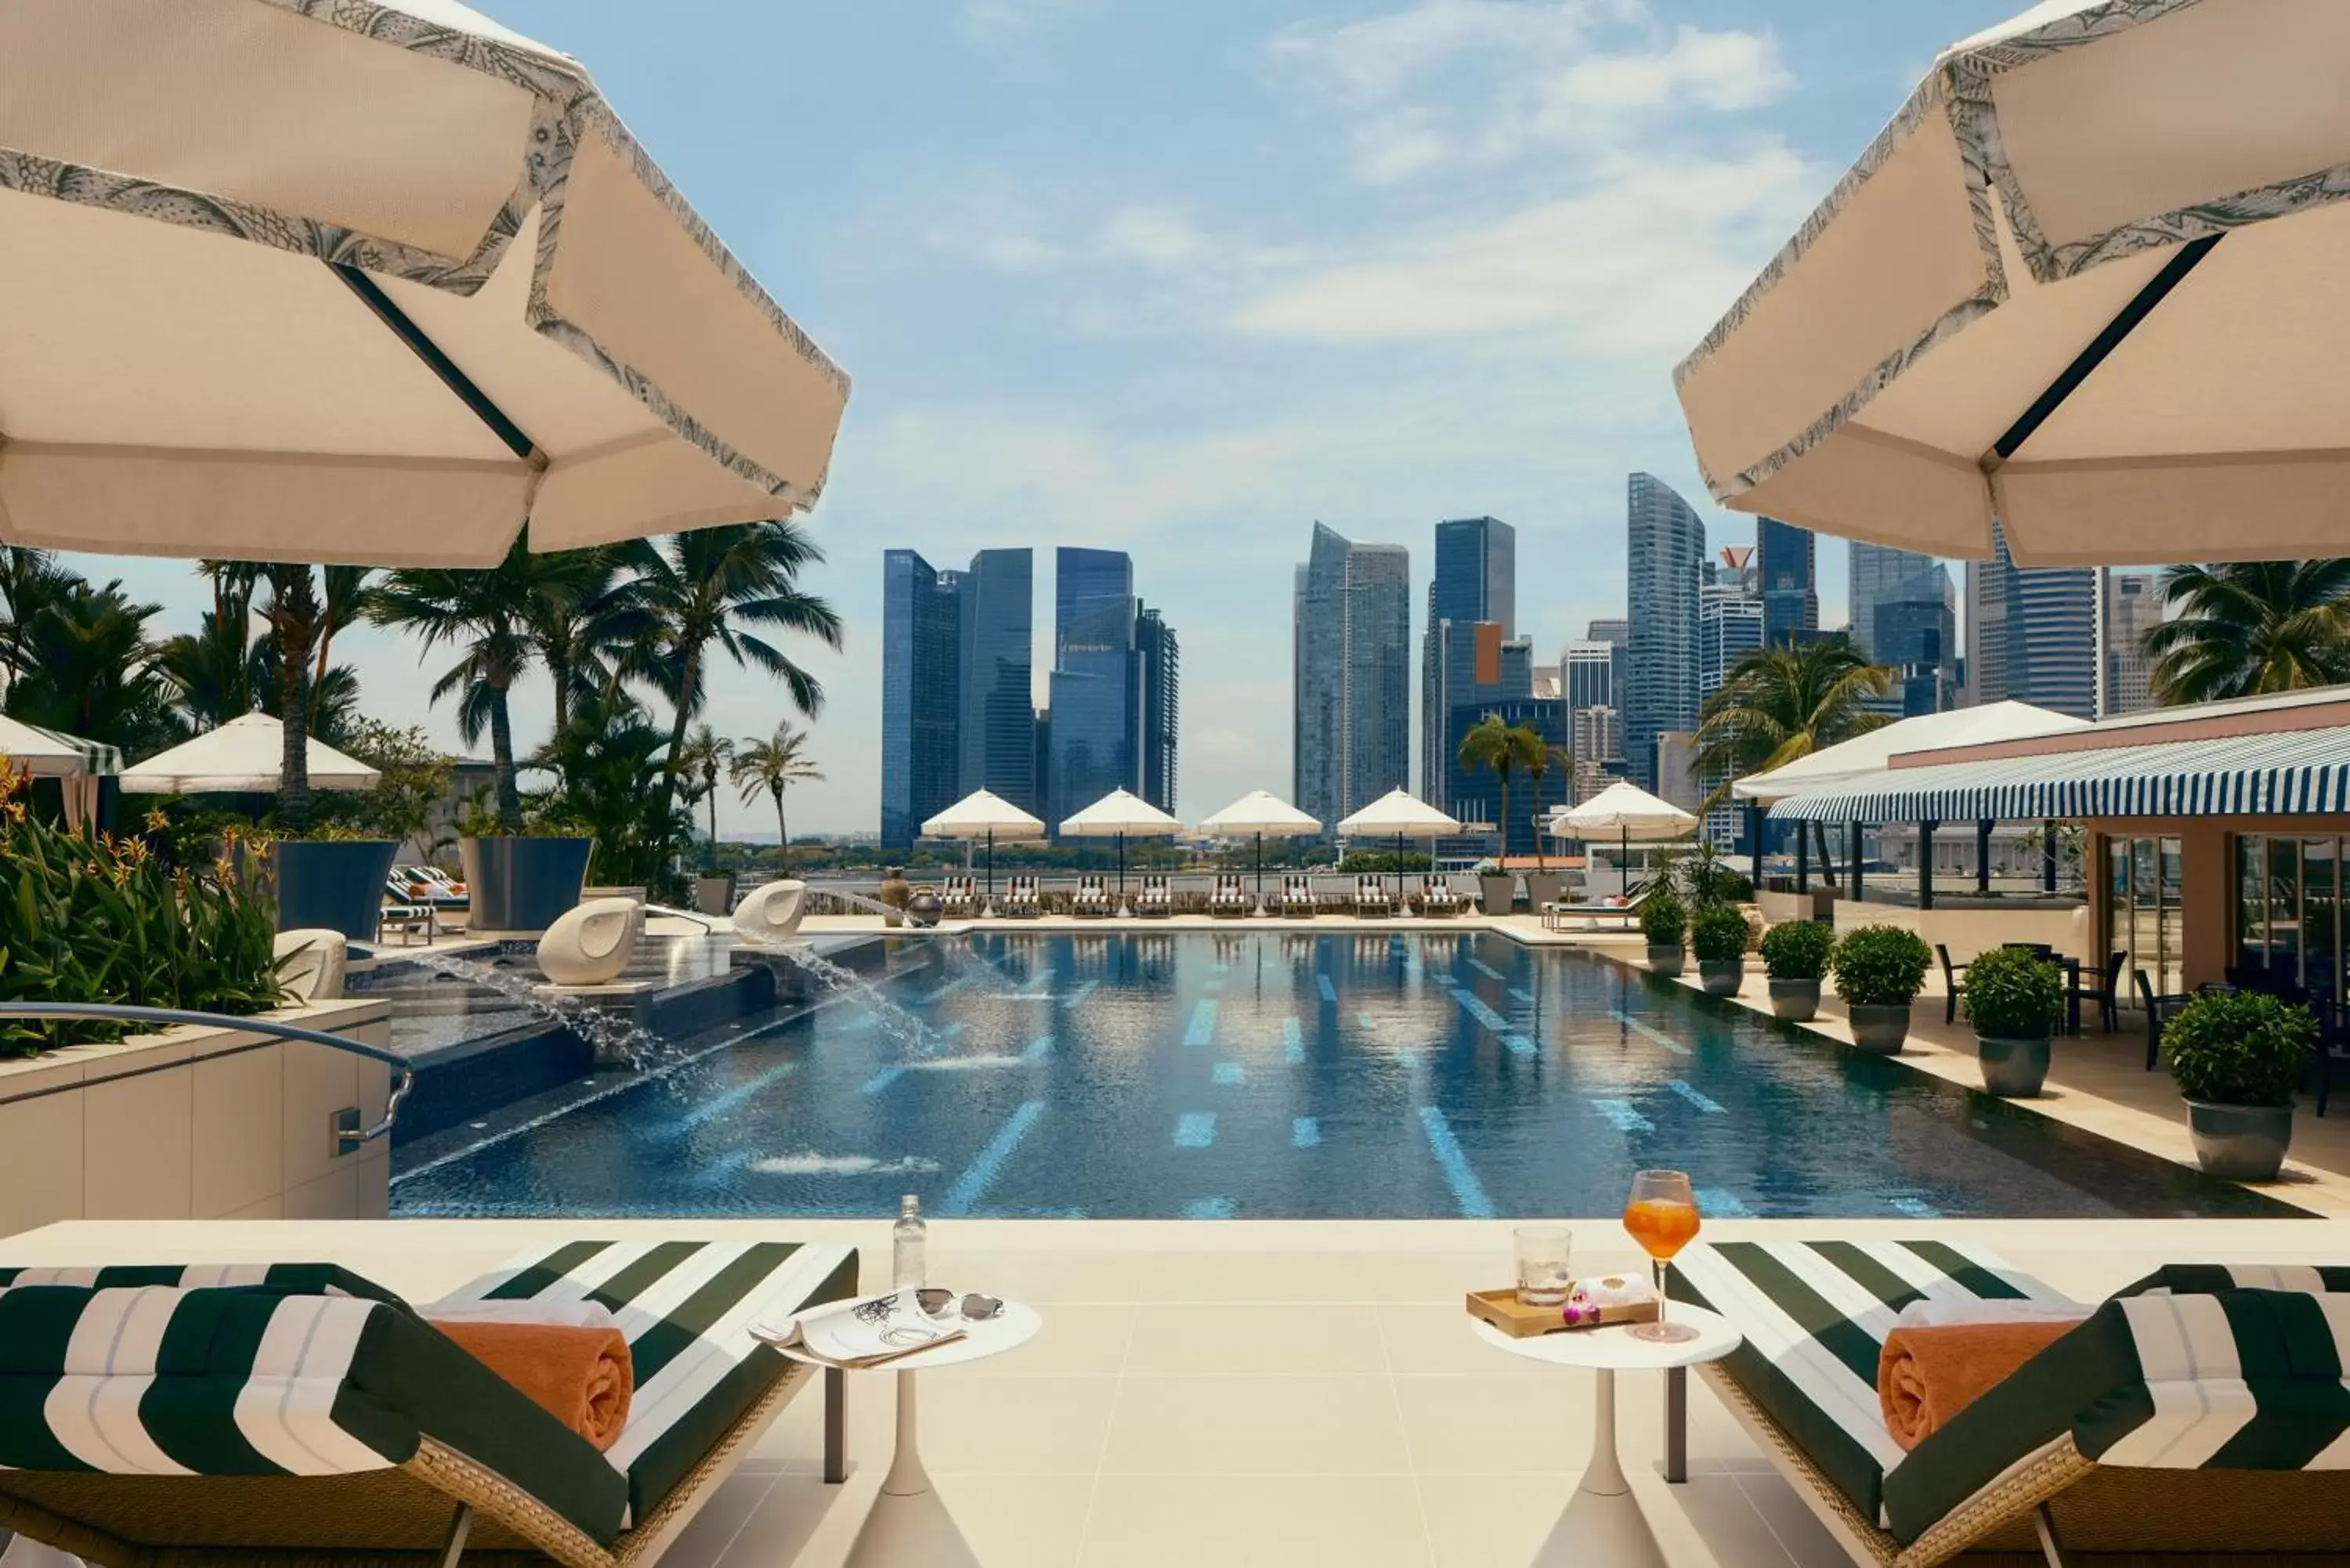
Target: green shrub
x,y
1881,966
1718,934
1664,919
2013,993
1797,949
101,919
2239,1050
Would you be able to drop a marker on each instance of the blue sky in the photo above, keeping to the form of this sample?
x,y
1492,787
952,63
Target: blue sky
x,y
1183,278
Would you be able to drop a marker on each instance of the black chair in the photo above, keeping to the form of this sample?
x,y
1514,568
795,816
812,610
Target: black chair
x,y
2332,1046
2159,1010
1951,973
2108,996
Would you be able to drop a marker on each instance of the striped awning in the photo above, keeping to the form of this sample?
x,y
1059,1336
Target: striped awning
x,y
2303,772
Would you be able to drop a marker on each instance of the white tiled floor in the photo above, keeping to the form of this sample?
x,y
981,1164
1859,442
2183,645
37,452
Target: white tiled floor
x,y
1230,1393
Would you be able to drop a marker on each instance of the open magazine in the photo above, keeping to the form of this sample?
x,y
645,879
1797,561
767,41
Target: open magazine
x,y
856,1334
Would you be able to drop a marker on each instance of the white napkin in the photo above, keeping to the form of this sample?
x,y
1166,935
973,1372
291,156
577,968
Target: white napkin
x,y
558,1314
1954,1313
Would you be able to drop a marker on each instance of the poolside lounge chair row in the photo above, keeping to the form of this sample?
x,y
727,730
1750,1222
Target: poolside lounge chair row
x,y
961,900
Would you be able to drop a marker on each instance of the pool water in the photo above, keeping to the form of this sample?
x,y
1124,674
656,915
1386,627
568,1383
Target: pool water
x,y
1285,1075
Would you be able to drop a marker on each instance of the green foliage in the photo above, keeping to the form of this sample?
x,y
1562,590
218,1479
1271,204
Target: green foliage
x,y
1797,949
399,808
611,760
1706,879
103,921
2246,1049
1881,966
1664,918
772,765
2012,993
1718,933
1378,862
1780,703
2252,626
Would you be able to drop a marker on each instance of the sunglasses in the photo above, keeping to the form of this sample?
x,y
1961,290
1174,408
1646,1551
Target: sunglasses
x,y
972,1308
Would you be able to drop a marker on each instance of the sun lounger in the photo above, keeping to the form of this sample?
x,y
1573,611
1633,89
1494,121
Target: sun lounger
x,y
959,899
1021,901
1228,899
1156,900
1436,898
300,1414
2192,1413
1555,915
412,920
1091,899
1295,898
1371,897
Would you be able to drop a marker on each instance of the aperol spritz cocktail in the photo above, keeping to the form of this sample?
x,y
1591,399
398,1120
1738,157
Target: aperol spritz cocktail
x,y
1661,1215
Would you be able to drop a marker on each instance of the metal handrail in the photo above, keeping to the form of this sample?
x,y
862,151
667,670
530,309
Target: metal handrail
x,y
404,1075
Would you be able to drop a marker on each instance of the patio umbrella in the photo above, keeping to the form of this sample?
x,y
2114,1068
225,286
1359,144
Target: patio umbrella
x,y
984,816
1119,813
1628,812
1261,812
1406,815
243,756
74,762
2085,285
366,282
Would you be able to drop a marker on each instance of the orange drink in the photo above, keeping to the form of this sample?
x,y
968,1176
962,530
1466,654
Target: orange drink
x,y
1662,1226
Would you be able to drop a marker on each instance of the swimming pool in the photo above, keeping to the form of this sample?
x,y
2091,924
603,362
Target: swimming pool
x,y
1284,1075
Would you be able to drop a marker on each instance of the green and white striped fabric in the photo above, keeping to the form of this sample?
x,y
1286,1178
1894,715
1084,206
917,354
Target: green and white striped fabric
x,y
1815,1314
313,1279
686,1310
2205,1279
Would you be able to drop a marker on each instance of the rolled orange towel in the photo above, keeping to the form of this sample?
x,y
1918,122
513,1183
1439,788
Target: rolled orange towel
x,y
1926,1375
582,1377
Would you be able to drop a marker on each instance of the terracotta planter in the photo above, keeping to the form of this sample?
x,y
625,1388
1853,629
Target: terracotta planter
x,y
2012,1068
2241,1143
1883,1029
1667,960
1722,977
1794,1001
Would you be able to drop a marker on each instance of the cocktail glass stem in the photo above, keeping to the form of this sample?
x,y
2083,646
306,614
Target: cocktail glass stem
x,y
1660,1266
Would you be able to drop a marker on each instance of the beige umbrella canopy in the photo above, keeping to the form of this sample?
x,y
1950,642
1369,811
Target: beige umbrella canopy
x,y
1120,814
1405,815
364,282
2087,283
1267,816
243,756
983,814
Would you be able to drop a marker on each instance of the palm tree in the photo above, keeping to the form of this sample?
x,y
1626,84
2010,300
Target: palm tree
x,y
218,669
1540,761
773,765
484,615
706,589
2239,629
28,580
90,670
1501,749
701,759
577,635
296,617
1783,702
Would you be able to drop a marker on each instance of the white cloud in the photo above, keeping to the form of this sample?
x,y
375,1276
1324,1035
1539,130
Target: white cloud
x,y
1373,60
998,17
1155,237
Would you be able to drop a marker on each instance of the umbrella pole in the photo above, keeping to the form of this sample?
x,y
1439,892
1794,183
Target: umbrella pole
x,y
1123,912
1260,876
987,912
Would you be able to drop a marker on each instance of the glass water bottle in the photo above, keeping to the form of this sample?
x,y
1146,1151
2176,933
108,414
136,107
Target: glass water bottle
x,y
909,1239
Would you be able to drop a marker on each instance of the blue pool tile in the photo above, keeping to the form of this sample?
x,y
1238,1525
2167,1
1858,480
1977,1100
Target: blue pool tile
x,y
981,1174
1475,1008
1305,1132
1488,970
1293,1041
1468,1192
1917,1209
1649,1032
1688,1092
1213,987
1329,992
1520,993
1210,1208
1519,1044
880,1080
1721,1203
1230,1076
1038,1048
1365,1020
735,1098
950,987
1079,994
1204,1024
1623,1116
1195,1129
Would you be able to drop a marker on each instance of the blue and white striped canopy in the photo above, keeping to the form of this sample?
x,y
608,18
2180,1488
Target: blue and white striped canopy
x,y
2303,772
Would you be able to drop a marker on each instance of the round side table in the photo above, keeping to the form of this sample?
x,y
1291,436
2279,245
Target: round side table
x,y
910,1526
1602,1526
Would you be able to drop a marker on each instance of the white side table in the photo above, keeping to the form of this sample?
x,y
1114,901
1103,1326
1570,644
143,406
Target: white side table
x,y
1602,1526
910,1526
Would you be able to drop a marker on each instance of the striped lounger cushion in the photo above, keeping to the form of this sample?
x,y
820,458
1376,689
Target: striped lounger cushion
x,y
1815,1314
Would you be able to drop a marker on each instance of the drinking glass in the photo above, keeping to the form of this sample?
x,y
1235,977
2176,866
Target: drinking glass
x,y
1661,1215
1543,1274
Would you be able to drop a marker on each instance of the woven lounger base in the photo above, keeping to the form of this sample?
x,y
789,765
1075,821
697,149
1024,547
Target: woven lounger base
x,y
396,1518
2105,1517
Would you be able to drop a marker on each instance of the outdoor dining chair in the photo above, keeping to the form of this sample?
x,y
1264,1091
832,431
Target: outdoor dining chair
x,y
2107,995
1951,974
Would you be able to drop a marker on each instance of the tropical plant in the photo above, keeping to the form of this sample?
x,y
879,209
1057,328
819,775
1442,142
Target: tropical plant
x,y
1881,966
29,579
1718,934
2242,1049
485,616
1500,749
102,920
2244,627
1539,763
415,780
90,670
1705,879
2013,993
610,760
1783,702
1664,918
704,755
220,670
1797,949
296,617
579,634
772,766
715,590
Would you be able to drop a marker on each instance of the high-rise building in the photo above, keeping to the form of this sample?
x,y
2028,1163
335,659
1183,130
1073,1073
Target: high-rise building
x,y
1474,588
1599,733
1351,642
922,694
1914,638
1162,689
1549,682
1882,575
1666,545
2133,608
1786,564
2032,633
1476,794
1732,618
1617,635
1677,781
1097,680
1586,674
999,716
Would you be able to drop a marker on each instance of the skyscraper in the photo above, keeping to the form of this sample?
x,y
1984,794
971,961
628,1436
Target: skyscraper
x,y
2133,608
1914,637
1162,688
922,694
1786,562
1351,641
1617,635
1586,674
1882,575
999,718
1475,587
1732,620
1476,794
1096,683
2032,633
1666,545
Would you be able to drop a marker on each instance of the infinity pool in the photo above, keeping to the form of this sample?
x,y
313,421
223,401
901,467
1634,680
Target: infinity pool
x,y
1281,1074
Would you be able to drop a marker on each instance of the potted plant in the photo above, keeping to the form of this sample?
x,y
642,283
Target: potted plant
x,y
1880,970
332,879
2014,997
1796,953
1664,920
1497,890
518,882
2237,1059
1719,934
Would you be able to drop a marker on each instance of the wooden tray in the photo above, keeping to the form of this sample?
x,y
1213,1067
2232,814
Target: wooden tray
x,y
1501,1308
